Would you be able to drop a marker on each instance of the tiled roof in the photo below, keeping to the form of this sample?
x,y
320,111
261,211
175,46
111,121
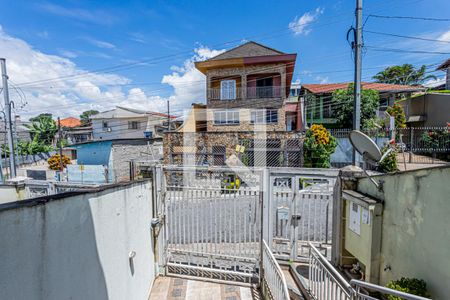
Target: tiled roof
x,y
70,122
249,49
381,87
444,65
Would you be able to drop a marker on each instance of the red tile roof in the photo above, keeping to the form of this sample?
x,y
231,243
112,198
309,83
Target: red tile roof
x,y
70,122
381,87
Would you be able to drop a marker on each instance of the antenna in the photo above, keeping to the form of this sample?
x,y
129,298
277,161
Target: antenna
x,y
369,151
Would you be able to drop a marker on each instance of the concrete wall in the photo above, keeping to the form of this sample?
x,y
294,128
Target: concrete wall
x,y
95,153
435,108
415,237
77,246
12,192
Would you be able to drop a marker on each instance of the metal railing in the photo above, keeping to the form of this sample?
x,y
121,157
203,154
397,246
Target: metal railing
x,y
216,94
325,282
274,282
264,92
357,285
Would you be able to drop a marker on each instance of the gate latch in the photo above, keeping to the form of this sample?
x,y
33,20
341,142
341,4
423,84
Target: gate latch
x,y
296,217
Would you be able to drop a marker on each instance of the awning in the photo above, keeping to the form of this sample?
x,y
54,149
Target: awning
x,y
419,118
291,107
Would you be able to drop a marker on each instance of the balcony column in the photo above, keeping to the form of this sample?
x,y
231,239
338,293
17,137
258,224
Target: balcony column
x,y
283,82
244,86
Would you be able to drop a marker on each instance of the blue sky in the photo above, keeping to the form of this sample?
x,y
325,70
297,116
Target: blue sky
x,y
155,43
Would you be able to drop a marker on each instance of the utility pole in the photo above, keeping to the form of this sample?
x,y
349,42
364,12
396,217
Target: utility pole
x,y
168,116
12,160
358,65
61,167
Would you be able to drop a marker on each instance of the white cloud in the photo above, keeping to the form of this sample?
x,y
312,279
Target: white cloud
x,y
322,79
99,43
299,26
76,90
189,83
91,15
67,53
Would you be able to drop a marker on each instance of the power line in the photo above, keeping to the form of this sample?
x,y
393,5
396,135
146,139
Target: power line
x,y
406,37
383,49
409,17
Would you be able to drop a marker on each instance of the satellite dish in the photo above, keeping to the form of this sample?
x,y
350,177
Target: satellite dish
x,y
369,151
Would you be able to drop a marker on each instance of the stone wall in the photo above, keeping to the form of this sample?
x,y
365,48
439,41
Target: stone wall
x,y
213,148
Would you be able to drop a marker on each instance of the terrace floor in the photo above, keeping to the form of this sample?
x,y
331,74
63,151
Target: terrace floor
x,y
179,288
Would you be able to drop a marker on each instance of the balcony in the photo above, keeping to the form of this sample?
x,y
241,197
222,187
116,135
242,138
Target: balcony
x,y
218,94
252,93
264,92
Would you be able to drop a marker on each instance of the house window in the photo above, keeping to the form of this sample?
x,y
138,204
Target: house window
x,y
133,125
264,88
228,89
105,125
264,116
225,117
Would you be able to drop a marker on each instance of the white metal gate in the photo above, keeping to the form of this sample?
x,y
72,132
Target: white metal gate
x,y
212,229
301,211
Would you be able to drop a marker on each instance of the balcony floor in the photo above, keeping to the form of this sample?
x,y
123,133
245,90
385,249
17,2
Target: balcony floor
x,y
179,288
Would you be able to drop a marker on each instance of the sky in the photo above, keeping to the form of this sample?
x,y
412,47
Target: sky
x,y
65,57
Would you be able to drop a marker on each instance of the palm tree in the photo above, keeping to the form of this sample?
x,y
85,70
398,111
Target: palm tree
x,y
405,74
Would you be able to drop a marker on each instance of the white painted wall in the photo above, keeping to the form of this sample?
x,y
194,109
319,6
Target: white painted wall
x,y
119,127
77,247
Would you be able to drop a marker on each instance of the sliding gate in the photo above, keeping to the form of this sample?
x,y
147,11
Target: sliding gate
x,y
212,228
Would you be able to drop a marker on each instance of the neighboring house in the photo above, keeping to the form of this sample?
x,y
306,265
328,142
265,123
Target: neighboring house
x,y
321,112
429,109
247,86
112,160
21,131
74,132
126,123
445,66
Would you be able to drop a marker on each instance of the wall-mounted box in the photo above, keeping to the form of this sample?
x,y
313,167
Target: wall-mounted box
x,y
363,219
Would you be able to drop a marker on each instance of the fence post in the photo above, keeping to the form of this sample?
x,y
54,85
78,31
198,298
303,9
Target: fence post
x,y
411,141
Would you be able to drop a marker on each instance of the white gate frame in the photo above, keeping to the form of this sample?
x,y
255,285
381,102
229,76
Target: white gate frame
x,y
269,203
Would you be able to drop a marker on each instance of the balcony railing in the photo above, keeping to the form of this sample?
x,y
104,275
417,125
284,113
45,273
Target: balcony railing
x,y
218,94
263,92
252,93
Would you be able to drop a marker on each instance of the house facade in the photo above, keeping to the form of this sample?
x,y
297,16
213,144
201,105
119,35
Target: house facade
x,y
126,123
319,109
246,88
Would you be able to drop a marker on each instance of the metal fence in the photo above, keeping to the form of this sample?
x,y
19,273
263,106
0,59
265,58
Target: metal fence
x,y
274,284
213,230
424,145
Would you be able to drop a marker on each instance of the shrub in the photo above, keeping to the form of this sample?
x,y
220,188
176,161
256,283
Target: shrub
x,y
54,162
413,286
435,139
399,115
389,164
318,146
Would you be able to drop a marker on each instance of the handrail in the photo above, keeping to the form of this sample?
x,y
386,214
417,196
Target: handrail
x,y
362,284
273,275
329,267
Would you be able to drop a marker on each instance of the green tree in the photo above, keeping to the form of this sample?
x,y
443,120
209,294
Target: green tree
x,y
404,74
86,117
43,130
342,101
41,116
